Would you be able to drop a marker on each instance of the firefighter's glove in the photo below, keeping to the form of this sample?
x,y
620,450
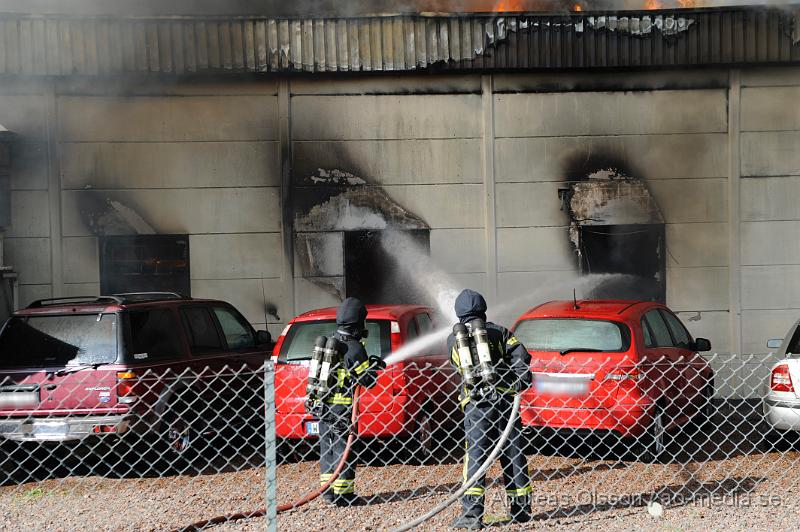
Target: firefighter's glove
x,y
377,362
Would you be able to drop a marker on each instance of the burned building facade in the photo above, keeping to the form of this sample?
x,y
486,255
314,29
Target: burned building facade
x,y
256,159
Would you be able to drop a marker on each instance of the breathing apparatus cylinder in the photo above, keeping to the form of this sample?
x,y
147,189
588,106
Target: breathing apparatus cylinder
x,y
330,359
314,369
464,349
481,338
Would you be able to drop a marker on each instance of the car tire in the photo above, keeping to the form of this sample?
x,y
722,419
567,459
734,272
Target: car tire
x,y
704,416
654,442
180,441
419,447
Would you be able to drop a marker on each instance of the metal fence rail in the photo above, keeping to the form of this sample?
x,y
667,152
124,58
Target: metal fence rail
x,y
167,449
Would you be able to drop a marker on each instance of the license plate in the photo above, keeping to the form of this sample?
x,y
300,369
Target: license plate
x,y
561,385
18,399
50,428
312,428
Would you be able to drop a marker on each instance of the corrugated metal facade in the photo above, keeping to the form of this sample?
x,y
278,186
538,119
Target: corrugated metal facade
x,y
53,45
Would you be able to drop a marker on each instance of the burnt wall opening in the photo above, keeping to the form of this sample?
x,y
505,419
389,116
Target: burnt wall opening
x,y
145,263
631,250
373,275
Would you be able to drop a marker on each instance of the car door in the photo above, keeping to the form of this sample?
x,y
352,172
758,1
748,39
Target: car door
x,y
690,364
667,368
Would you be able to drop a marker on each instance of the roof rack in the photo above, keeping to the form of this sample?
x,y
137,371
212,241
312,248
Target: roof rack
x,y
74,299
140,297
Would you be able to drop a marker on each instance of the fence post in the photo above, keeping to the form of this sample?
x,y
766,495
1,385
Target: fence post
x,y
269,447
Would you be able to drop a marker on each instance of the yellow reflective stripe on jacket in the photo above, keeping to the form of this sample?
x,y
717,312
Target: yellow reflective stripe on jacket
x,y
324,478
455,359
512,341
341,377
519,492
478,492
339,399
362,367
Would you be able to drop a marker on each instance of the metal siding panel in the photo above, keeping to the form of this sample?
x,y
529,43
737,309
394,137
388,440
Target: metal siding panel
x,y
744,37
431,41
410,47
317,59
78,53
178,48
189,47
250,53
52,63
421,42
164,48
303,54
330,45
354,34
90,45
444,41
39,65
281,59
343,44
225,43
273,45
26,46
387,46
398,46
103,47
261,54
3,47
201,40
375,48
455,39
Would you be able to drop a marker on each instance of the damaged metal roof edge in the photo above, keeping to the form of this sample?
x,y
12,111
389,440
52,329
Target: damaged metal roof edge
x,y
43,45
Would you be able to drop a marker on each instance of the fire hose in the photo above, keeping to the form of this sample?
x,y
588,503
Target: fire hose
x,y
512,418
261,512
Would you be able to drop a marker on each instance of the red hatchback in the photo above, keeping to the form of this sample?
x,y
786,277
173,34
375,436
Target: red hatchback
x,y
412,399
625,367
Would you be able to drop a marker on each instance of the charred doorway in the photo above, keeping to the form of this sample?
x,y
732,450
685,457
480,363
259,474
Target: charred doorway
x,y
373,274
636,251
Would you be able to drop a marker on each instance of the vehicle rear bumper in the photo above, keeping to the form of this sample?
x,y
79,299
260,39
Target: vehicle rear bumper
x,y
377,418
782,414
63,429
624,420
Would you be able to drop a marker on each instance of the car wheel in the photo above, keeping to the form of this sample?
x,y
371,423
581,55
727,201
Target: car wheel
x,y
706,412
181,439
419,449
655,440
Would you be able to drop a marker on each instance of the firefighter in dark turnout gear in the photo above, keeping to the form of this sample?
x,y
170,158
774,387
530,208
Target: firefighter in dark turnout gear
x,y
485,416
355,367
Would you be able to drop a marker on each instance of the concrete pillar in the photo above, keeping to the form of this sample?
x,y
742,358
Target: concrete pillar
x,y
734,208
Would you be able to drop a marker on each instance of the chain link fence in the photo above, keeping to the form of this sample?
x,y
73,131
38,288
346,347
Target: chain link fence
x,y
165,449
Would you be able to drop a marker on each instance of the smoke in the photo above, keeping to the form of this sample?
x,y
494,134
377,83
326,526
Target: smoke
x,y
429,278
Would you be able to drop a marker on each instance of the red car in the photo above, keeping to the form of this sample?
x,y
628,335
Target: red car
x,y
624,367
412,399
101,369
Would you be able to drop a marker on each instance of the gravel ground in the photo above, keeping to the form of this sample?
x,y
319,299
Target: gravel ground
x,y
745,491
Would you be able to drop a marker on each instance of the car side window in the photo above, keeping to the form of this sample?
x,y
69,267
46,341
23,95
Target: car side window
x,y
411,330
677,329
154,335
424,323
794,344
238,335
659,329
648,338
201,330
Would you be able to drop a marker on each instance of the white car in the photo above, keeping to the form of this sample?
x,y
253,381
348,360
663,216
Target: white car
x,y
782,398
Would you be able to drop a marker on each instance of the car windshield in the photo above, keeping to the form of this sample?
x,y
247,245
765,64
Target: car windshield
x,y
300,338
60,340
564,334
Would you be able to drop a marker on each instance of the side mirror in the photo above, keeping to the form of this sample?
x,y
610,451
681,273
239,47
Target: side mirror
x,y
701,344
774,343
263,337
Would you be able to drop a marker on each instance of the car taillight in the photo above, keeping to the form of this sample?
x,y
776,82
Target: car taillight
x,y
781,381
126,381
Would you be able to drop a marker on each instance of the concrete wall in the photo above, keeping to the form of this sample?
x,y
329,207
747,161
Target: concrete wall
x,y
480,161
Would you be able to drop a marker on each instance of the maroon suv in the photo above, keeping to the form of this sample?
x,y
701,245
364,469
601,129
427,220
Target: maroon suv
x,y
155,364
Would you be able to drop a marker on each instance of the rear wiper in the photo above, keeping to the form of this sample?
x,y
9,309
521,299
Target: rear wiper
x,y
581,350
74,369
